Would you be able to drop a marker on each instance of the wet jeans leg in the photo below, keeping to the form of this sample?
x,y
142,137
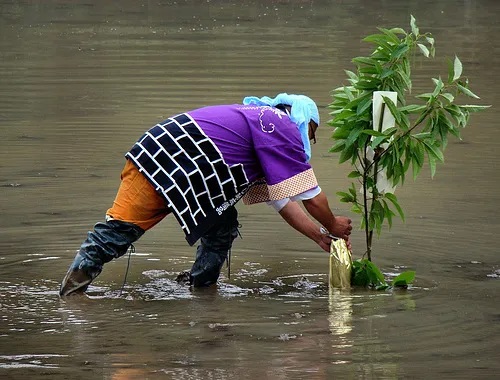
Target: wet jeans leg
x,y
108,241
214,249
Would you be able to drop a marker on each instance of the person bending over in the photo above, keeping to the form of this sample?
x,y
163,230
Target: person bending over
x,y
197,165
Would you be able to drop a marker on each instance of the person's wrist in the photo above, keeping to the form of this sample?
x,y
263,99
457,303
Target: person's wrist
x,y
331,226
317,235
327,233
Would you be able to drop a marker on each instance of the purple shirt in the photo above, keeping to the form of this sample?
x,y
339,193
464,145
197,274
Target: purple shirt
x,y
205,161
263,139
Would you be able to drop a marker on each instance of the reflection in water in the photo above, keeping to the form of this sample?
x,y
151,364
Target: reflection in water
x,y
28,361
340,316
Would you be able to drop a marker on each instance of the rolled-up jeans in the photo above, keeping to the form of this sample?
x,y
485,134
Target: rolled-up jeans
x,y
136,209
108,240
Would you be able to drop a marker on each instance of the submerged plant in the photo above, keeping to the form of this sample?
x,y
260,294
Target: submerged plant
x,y
345,273
365,273
382,138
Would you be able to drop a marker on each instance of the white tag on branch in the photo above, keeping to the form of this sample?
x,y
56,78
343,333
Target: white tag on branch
x,y
382,119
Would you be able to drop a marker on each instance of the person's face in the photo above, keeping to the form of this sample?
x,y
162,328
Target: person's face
x,y
312,131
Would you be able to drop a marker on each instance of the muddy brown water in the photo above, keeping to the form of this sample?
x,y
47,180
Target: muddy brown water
x,y
81,81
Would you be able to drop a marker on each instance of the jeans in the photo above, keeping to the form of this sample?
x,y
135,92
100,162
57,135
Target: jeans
x,y
108,241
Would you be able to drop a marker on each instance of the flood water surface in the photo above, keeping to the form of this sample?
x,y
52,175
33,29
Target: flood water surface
x,y
81,81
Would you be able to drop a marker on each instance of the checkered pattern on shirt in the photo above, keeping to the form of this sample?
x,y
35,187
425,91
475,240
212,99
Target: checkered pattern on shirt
x,y
187,168
299,183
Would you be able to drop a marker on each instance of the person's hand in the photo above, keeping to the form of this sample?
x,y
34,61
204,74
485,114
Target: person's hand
x,y
342,228
326,242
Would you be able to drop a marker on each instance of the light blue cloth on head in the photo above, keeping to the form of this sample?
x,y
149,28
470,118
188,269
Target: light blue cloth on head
x,y
303,110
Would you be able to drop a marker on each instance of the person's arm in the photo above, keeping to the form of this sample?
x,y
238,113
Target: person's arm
x,y
293,214
319,209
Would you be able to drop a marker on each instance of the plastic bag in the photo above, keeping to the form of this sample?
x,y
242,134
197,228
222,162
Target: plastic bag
x,y
340,264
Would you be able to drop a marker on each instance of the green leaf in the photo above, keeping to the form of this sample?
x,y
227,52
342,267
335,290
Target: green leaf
x,y
337,124
364,61
345,197
424,50
346,154
391,35
445,126
416,168
375,276
353,136
357,99
458,116
392,198
339,94
432,164
422,135
404,123
407,158
351,75
412,108
466,91
451,71
457,69
439,86
362,141
473,108
392,107
386,72
399,172
352,190
400,50
359,276
368,71
427,96
364,105
379,215
388,213
373,132
381,55
344,114
337,147
341,133
419,154
398,31
404,279
368,84
453,110
449,97
348,92
414,28
406,82
356,209
417,158
369,182
378,140
434,150
379,39
354,174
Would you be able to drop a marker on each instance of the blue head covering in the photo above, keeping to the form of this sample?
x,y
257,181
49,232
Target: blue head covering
x,y
303,110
